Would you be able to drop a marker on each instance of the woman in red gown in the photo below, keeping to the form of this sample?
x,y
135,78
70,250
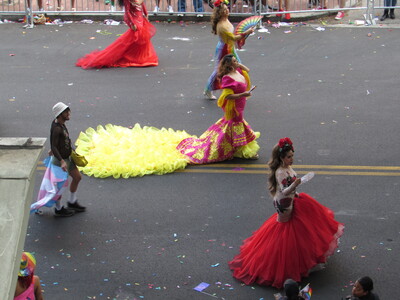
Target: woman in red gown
x,y
133,48
295,240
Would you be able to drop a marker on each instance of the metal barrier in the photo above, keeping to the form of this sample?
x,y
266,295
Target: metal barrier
x,y
181,8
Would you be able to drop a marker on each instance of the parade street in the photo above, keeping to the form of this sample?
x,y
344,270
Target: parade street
x,y
332,90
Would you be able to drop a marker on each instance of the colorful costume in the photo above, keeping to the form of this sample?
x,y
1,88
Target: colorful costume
x,y
226,45
123,152
231,136
132,49
54,183
28,294
298,238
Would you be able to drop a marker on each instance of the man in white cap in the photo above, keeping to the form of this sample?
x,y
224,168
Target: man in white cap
x,y
61,149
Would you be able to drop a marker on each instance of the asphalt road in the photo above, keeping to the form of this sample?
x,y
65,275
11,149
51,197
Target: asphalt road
x,y
334,92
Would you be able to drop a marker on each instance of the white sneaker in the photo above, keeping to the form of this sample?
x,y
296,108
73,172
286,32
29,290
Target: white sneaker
x,y
156,9
113,8
170,9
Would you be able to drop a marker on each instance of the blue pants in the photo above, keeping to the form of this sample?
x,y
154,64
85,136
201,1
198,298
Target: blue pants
x,y
197,5
390,3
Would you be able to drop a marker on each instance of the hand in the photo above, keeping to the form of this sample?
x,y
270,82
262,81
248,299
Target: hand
x,y
252,88
250,30
50,152
246,94
64,165
297,182
134,28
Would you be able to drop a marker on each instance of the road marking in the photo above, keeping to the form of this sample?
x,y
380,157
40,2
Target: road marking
x,y
317,169
263,169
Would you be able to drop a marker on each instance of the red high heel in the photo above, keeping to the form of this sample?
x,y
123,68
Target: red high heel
x,y
279,15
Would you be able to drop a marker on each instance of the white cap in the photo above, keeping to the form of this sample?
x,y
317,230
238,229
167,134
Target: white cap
x,y
59,108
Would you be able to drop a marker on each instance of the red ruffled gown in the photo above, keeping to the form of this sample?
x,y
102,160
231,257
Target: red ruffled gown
x,y
132,49
291,243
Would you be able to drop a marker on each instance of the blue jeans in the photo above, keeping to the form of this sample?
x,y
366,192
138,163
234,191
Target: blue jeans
x,y
197,5
389,3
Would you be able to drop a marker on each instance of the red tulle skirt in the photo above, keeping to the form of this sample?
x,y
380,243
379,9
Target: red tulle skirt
x,y
278,251
132,49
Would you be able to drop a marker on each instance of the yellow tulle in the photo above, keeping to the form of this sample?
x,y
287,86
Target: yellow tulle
x,y
123,152
250,150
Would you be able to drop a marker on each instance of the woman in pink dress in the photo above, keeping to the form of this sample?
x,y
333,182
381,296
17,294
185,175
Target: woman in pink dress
x,y
297,239
28,285
231,136
133,48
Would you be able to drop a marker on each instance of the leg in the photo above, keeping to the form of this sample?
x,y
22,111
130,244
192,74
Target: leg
x,y
287,16
198,5
73,202
170,9
391,14
181,5
157,7
340,13
76,178
40,4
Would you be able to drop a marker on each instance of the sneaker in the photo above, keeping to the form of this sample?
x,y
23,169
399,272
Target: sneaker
x,y
170,9
180,15
210,95
64,212
255,157
156,9
339,15
199,15
76,207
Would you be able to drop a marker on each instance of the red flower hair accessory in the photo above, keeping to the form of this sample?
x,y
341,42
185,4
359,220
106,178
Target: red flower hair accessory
x,y
219,2
285,142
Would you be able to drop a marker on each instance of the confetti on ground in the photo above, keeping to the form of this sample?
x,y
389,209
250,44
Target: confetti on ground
x,y
202,286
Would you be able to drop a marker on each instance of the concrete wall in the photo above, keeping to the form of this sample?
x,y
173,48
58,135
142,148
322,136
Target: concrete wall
x,y
18,161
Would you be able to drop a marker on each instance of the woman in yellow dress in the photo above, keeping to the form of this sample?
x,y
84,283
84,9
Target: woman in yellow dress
x,y
222,27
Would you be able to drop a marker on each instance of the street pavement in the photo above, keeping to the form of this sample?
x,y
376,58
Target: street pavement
x,y
332,90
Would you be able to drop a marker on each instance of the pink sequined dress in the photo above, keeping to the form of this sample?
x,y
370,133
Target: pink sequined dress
x,y
231,136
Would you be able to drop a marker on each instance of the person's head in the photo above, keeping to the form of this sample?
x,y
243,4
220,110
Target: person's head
x,y
26,269
363,286
227,65
220,11
62,111
291,289
282,156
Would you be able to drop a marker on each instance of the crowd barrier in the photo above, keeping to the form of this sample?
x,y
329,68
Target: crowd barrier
x,y
182,8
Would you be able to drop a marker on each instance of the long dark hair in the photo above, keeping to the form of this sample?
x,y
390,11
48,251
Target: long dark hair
x,y
216,17
274,163
225,65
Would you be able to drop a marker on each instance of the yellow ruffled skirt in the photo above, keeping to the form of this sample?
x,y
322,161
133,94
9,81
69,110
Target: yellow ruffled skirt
x,y
130,152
